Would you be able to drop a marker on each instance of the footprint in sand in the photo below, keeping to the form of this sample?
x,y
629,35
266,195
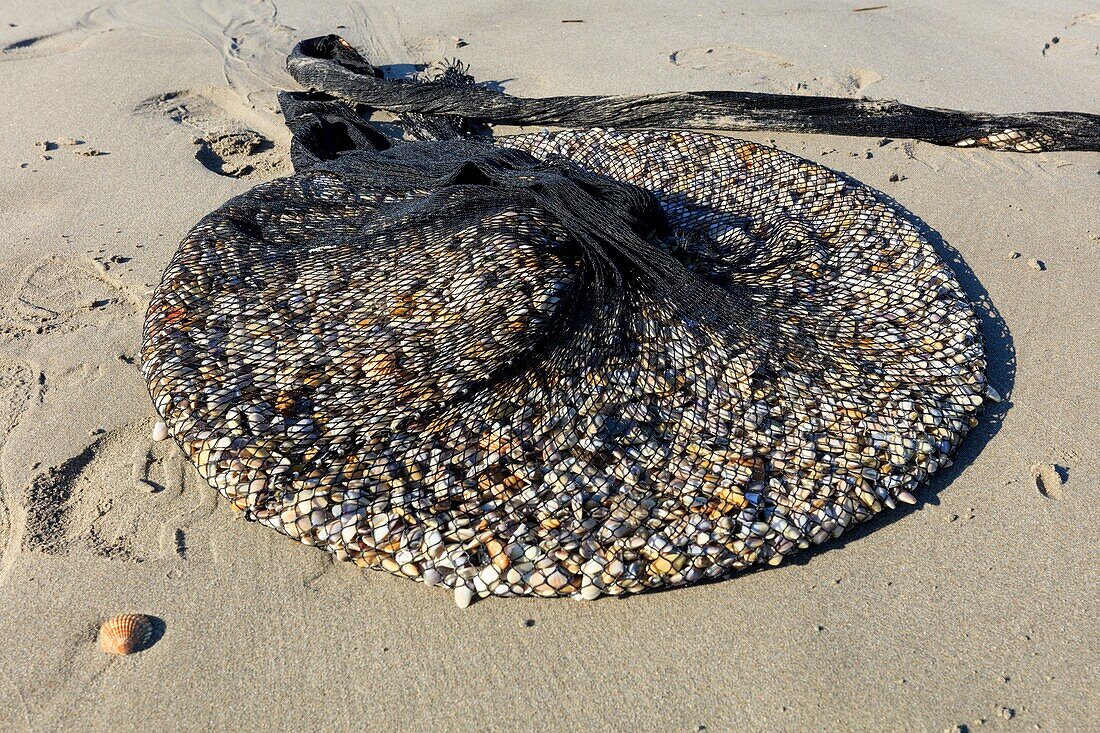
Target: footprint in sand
x,y
753,69
45,45
1050,479
121,498
226,145
57,294
1078,41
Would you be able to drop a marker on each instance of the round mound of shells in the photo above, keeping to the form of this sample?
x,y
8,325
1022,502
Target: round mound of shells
x,y
366,388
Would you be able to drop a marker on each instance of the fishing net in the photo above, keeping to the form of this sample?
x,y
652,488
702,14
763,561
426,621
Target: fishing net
x,y
585,362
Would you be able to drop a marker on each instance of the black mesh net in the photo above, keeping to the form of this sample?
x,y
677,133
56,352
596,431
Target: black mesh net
x,y
567,363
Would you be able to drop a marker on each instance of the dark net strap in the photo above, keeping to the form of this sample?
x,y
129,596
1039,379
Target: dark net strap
x,y
329,63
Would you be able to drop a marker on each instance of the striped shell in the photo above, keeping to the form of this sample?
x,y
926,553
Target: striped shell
x,y
125,634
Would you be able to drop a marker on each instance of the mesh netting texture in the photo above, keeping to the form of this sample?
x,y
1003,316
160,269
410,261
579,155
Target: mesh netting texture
x,y
586,362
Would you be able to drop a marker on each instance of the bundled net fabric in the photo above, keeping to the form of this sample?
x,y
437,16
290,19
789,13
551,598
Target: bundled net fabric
x,y
583,362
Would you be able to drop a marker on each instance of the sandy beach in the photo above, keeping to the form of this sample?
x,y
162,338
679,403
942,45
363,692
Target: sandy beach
x,y
124,123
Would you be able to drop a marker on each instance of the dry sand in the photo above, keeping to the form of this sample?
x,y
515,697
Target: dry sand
x,y
977,609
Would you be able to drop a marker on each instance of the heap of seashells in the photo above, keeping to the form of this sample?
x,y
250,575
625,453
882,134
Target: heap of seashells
x,y
377,389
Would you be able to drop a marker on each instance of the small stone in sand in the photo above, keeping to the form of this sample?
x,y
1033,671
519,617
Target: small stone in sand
x,y
1013,255
90,152
463,596
1008,713
69,141
895,177
160,431
1037,265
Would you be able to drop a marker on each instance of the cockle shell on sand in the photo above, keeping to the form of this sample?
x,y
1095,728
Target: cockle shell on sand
x,y
125,634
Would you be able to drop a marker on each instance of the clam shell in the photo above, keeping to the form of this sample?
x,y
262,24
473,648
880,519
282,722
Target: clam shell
x,y
125,634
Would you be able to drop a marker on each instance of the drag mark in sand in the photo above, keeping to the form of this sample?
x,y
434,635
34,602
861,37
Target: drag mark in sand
x,y
87,26
16,379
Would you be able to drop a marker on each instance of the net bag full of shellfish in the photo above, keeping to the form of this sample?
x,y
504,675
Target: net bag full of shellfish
x,y
575,363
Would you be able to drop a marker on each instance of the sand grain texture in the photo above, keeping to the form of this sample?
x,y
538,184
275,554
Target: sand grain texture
x,y
982,598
